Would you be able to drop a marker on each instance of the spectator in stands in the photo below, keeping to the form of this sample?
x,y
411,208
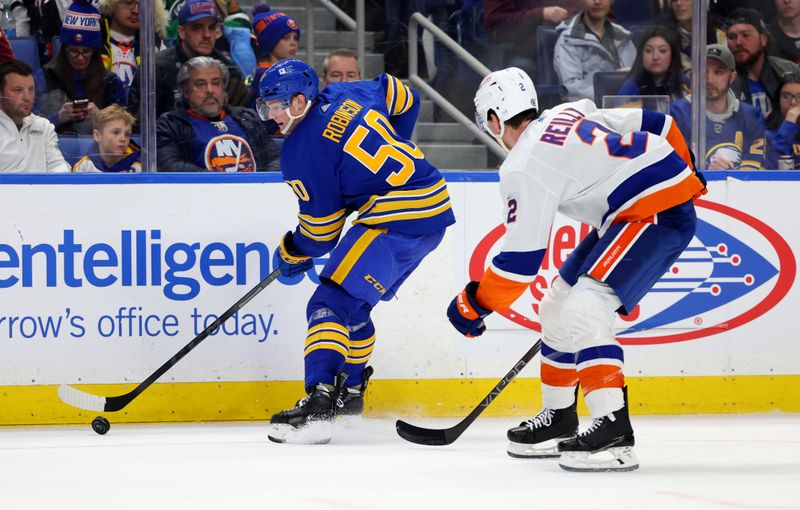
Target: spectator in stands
x,y
783,136
657,68
679,19
28,143
197,32
758,72
6,53
113,151
74,85
588,42
340,65
277,36
734,129
236,31
512,24
204,134
786,29
120,32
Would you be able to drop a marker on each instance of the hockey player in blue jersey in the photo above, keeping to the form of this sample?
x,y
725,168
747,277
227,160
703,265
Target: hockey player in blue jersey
x,y
347,150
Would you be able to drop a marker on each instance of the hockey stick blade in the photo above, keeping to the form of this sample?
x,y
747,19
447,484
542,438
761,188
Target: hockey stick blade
x,y
83,400
443,437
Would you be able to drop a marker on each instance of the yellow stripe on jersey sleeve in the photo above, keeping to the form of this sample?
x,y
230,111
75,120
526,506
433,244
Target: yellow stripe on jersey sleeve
x,y
410,193
399,98
322,229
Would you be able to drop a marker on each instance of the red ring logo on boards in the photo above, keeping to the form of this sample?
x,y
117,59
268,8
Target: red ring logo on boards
x,y
735,270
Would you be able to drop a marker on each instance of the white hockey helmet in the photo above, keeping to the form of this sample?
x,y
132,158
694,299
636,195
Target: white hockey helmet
x,y
507,93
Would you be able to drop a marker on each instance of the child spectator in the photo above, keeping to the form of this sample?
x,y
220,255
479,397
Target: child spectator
x,y
277,36
74,85
657,68
113,150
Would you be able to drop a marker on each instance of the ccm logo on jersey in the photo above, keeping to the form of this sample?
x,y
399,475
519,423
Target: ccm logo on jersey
x,y
735,270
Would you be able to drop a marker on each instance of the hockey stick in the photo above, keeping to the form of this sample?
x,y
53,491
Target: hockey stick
x,y
441,437
82,400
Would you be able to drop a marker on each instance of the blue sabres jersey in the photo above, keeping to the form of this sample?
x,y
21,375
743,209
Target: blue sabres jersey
x,y
740,138
352,153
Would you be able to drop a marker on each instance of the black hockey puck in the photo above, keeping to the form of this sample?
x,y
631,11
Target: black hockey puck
x,y
100,425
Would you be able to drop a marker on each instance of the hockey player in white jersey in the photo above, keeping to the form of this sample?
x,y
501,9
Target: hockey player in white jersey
x,y
629,174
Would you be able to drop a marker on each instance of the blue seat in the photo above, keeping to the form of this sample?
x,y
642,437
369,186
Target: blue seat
x,y
74,147
637,31
26,49
635,11
546,37
607,83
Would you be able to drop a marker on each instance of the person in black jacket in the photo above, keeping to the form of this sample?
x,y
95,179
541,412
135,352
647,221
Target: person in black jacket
x,y
204,134
197,32
759,73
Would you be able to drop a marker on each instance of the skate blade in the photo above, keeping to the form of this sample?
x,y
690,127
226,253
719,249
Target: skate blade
x,y
613,459
544,450
314,433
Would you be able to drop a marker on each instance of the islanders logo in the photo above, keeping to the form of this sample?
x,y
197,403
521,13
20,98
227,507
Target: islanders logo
x,y
735,270
229,153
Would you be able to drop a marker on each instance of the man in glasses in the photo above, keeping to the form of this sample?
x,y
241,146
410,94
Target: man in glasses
x,y
198,30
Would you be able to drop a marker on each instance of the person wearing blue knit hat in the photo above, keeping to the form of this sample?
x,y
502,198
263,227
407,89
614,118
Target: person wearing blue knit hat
x,y
277,37
75,85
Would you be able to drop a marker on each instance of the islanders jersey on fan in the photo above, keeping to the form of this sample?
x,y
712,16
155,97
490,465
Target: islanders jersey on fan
x,y
352,153
599,167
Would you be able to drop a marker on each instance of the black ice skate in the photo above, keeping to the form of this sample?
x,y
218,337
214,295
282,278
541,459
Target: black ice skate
x,y
607,445
310,421
354,396
538,438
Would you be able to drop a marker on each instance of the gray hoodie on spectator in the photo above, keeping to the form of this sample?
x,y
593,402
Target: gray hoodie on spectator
x,y
579,54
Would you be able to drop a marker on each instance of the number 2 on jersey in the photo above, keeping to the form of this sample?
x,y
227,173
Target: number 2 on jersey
x,y
589,132
398,150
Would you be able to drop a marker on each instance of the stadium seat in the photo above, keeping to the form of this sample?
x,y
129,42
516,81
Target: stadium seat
x,y
607,83
546,37
26,49
637,31
628,12
74,147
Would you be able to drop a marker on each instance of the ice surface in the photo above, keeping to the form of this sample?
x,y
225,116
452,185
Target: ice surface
x,y
714,462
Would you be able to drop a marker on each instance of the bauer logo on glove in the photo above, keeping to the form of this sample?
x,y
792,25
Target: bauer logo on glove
x,y
465,314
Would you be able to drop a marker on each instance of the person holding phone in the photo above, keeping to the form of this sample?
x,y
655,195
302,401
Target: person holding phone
x,y
74,85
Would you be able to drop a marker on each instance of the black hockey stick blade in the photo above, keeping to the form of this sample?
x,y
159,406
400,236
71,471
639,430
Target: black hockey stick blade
x,y
442,437
83,400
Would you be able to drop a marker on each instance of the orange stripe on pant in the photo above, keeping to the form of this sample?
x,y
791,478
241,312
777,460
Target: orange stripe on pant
x,y
553,376
616,250
600,376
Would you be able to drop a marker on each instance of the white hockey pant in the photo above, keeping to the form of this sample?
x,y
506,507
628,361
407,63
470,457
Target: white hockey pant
x,y
573,319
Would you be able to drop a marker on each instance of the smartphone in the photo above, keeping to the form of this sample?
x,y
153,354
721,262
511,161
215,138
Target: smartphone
x,y
80,104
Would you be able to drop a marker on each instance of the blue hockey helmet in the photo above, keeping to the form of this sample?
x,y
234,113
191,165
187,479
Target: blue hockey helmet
x,y
285,79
